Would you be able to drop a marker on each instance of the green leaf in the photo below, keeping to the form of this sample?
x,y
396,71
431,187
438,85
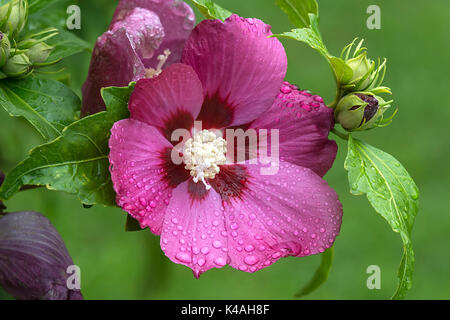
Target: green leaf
x,y
211,10
298,11
310,36
76,162
39,5
321,274
47,104
392,193
342,71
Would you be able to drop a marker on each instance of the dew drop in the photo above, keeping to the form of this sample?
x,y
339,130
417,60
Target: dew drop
x,y
220,261
183,257
249,248
251,260
205,250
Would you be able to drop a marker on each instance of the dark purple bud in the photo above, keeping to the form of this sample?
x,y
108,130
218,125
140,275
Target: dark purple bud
x,y
372,108
34,259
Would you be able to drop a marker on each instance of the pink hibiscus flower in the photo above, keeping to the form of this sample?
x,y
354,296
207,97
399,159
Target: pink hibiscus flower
x,y
144,36
210,210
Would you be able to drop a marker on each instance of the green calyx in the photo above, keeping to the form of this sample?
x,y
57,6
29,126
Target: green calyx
x,y
13,17
362,111
39,53
18,66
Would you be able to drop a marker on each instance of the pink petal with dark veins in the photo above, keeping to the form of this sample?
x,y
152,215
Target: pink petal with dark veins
x,y
139,177
241,69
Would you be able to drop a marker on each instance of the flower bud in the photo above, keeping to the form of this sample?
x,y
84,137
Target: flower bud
x,y
5,49
18,66
39,52
13,17
34,259
367,75
360,111
362,68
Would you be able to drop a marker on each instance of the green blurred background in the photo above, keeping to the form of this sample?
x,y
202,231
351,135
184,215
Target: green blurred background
x,y
414,37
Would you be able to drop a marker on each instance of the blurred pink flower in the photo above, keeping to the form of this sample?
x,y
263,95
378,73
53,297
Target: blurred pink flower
x,y
143,35
231,76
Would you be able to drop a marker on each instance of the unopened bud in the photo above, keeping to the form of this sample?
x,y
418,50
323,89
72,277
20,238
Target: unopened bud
x,y
17,66
39,52
362,68
360,111
367,75
13,17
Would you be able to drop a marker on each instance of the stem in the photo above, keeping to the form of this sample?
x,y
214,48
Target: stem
x,y
341,135
338,95
25,188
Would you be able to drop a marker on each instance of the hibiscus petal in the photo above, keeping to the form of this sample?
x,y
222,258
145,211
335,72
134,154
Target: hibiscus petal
x,y
114,63
194,230
304,123
240,67
137,161
170,101
34,258
144,29
292,213
177,18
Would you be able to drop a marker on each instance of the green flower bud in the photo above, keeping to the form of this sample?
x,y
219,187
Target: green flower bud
x,y
39,52
5,49
13,17
367,76
362,68
361,111
18,66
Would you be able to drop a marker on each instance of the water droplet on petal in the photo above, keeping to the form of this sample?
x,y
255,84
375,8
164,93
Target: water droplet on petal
x,y
183,257
205,250
251,260
220,261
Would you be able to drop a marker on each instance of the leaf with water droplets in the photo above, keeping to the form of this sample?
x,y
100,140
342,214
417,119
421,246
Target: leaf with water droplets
x,y
321,274
48,105
211,10
77,161
392,193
